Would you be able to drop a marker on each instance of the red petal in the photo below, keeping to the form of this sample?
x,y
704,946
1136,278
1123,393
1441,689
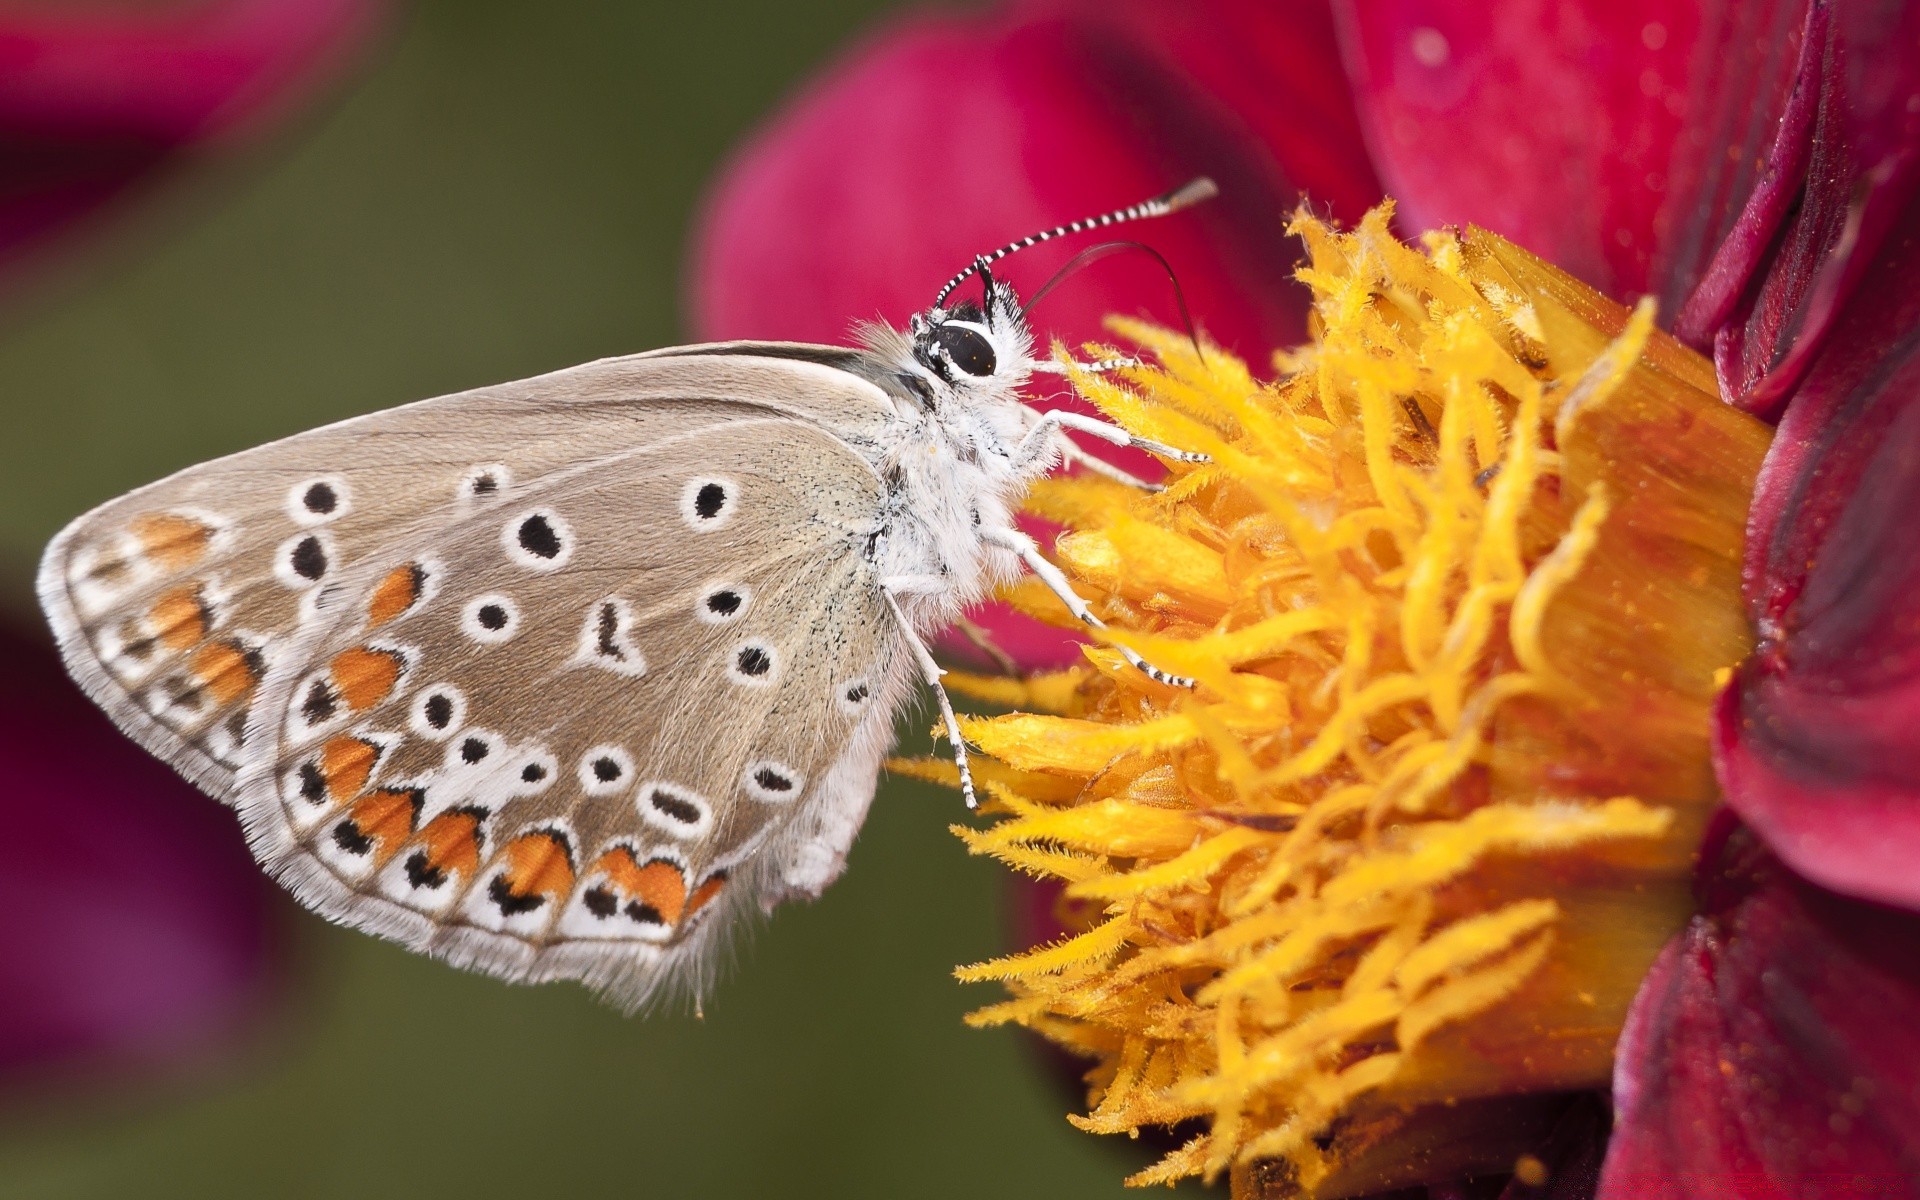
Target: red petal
x,y
1816,739
1642,146
1774,1049
138,932
1845,158
92,104
945,136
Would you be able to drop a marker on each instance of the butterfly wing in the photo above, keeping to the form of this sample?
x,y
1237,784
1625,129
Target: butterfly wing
x,y
541,678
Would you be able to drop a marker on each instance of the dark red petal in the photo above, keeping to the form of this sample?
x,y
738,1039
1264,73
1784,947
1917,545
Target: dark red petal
x,y
1738,160
138,933
945,136
1774,1049
1845,158
1816,740
92,103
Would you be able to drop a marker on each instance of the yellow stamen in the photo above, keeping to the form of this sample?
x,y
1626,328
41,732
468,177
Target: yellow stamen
x,y
1458,589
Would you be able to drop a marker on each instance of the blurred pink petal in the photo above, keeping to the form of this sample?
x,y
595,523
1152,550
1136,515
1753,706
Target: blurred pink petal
x,y
1817,738
1772,1051
1740,161
94,102
944,136
139,933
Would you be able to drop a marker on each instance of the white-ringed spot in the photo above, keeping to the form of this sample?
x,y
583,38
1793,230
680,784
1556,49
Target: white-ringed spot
x,y
532,773
438,711
675,810
754,663
539,540
490,619
303,559
774,782
720,603
485,482
472,748
606,639
318,500
708,502
853,697
605,770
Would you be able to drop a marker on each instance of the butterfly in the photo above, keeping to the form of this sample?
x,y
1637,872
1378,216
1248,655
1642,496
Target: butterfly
x,y
560,679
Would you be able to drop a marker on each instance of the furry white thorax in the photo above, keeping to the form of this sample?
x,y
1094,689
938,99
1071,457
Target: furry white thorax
x,y
956,458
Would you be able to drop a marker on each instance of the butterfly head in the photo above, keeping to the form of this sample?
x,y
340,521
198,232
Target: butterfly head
x,y
975,348
985,350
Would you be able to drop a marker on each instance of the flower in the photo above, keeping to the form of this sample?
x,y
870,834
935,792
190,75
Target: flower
x,y
140,934
1753,169
1457,591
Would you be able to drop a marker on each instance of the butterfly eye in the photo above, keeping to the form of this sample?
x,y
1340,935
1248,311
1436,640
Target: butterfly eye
x,y
967,348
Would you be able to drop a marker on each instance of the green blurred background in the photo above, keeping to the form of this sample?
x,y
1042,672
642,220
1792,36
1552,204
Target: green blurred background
x,y
505,188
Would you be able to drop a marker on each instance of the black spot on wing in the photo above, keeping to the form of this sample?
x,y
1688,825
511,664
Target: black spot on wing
x,y
320,498
309,558
537,537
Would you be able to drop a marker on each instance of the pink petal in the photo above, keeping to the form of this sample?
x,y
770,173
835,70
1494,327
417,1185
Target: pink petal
x,y
1816,738
1774,1049
1738,160
138,932
945,136
93,103
1550,123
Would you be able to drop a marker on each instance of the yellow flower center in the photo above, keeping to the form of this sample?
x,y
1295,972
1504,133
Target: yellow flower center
x,y
1458,590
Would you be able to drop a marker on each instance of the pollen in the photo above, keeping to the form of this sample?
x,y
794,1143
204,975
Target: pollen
x,y
1456,587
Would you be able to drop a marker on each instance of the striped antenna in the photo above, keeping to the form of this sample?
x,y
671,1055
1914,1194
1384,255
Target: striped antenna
x,y
1190,193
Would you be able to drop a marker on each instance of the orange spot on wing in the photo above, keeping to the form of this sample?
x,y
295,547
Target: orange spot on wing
x,y
174,541
708,889
538,863
347,763
396,592
452,842
664,888
179,617
659,884
364,677
226,670
387,817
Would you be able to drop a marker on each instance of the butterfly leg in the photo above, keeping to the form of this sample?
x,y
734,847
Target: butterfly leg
x,y
1099,466
1029,552
931,671
1040,440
